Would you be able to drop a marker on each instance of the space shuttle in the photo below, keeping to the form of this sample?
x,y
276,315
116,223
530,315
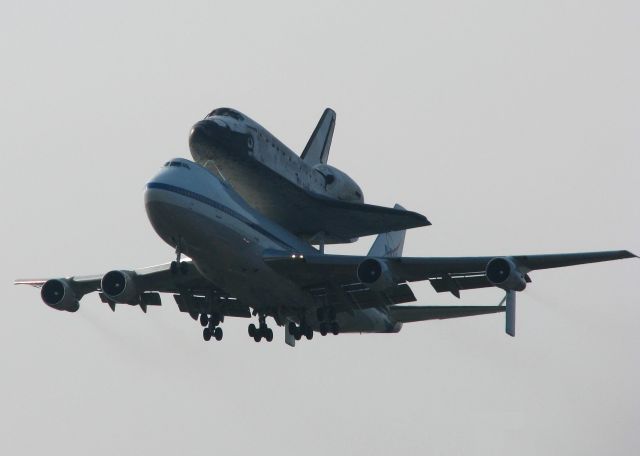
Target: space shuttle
x,y
302,193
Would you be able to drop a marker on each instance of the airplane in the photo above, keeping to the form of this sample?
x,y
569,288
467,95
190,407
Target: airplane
x,y
303,193
242,264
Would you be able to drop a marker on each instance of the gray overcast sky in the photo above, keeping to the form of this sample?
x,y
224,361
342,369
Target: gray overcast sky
x,y
512,125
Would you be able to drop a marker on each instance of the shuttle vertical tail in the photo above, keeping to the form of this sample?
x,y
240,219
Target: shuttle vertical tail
x,y
317,149
388,244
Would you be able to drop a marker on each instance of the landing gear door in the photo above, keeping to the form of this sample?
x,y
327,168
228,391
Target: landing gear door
x,y
289,339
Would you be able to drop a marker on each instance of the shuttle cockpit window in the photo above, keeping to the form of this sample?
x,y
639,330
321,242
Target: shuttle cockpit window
x,y
226,112
177,164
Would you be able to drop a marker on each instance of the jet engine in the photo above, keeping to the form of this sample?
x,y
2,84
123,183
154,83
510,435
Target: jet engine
x,y
375,274
58,294
338,185
120,286
503,273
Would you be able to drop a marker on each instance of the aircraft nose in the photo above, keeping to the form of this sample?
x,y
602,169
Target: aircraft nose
x,y
206,133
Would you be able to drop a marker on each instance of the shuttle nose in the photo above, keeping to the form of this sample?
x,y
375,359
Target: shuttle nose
x,y
206,133
210,137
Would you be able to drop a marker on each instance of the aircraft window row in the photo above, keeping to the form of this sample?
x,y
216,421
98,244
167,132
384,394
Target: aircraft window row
x,y
226,112
177,163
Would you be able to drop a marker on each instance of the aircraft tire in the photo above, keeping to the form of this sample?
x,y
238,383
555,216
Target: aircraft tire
x,y
308,332
335,329
206,334
174,268
257,336
252,330
184,268
323,329
217,333
216,318
204,320
269,334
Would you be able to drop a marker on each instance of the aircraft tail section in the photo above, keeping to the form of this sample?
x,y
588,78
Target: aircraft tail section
x,y
317,149
388,244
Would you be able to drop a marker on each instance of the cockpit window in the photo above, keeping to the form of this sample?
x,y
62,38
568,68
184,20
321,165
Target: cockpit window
x,y
177,163
226,112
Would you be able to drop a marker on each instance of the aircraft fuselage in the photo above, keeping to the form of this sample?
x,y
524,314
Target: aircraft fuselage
x,y
225,237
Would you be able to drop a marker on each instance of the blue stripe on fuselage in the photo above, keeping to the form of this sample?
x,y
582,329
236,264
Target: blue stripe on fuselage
x,y
221,207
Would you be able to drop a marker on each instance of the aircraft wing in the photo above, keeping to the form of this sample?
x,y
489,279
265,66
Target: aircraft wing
x,y
307,214
445,273
153,278
341,221
193,293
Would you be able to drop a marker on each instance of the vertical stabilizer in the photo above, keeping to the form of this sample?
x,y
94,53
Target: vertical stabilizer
x,y
388,244
317,149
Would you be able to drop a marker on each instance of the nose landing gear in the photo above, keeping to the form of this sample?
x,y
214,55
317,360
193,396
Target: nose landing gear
x,y
179,267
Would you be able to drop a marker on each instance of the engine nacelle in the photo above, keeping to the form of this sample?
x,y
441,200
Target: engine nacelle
x,y
338,185
375,274
120,286
58,294
503,273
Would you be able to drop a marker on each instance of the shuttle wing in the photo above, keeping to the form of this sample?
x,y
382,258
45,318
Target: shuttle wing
x,y
308,214
342,221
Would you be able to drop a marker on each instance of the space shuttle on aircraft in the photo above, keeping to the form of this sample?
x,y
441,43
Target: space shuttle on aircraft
x,y
304,194
247,216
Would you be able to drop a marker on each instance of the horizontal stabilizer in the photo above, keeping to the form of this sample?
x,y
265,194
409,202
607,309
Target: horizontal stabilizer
x,y
407,314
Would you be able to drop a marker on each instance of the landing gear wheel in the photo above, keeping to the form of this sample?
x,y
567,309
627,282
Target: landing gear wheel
x,y
335,329
297,334
269,334
217,333
174,268
308,332
184,268
253,331
323,329
206,334
204,320
215,319
257,337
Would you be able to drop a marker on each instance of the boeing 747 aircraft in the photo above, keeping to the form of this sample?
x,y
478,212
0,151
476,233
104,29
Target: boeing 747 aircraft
x,y
242,264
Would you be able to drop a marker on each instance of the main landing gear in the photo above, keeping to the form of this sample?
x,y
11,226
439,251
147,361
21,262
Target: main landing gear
x,y
327,318
210,324
262,331
303,330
